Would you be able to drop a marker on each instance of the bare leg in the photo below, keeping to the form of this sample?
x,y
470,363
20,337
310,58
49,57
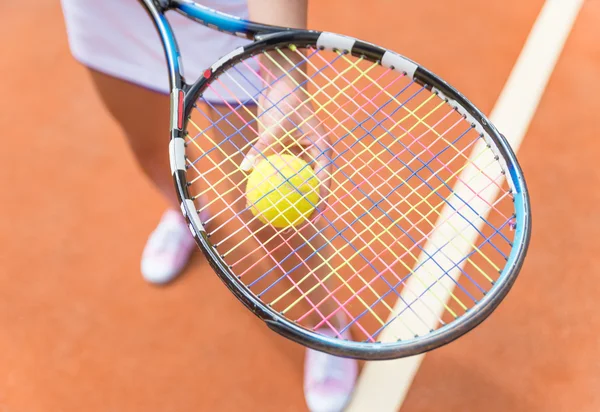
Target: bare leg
x,y
144,117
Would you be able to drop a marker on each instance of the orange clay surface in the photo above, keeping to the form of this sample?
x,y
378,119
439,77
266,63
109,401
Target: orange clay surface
x,y
81,331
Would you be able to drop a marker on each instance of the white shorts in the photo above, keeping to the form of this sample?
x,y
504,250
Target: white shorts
x,y
117,37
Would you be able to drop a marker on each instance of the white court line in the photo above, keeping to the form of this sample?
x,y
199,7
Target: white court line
x,y
383,385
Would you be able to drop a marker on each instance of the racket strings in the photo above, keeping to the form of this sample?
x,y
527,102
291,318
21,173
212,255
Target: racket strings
x,y
376,237
400,259
428,288
409,251
413,114
381,321
253,234
363,164
277,263
421,121
309,291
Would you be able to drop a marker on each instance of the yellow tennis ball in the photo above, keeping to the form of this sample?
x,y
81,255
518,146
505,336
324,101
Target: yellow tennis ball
x,y
282,190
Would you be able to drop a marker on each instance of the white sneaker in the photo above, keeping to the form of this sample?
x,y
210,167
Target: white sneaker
x,y
168,249
328,380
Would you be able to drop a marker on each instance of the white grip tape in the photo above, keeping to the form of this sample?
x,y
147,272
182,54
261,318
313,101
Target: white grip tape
x,y
193,216
399,63
225,58
174,108
332,41
177,154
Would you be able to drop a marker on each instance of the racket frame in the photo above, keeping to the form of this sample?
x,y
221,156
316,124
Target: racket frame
x,y
266,37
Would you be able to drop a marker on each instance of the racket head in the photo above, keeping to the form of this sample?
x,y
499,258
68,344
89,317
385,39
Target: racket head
x,y
513,188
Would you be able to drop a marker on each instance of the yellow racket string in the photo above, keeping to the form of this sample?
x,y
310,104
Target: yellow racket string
x,y
409,304
357,172
231,181
297,285
411,270
326,260
314,250
396,255
220,195
285,148
367,148
419,120
277,139
311,97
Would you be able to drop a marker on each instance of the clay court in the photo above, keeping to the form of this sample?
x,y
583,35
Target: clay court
x,y
81,329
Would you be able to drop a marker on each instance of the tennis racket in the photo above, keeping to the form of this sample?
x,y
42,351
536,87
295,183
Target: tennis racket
x,y
422,221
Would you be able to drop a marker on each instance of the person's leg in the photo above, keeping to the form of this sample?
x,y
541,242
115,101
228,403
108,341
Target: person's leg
x,y
328,380
144,117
